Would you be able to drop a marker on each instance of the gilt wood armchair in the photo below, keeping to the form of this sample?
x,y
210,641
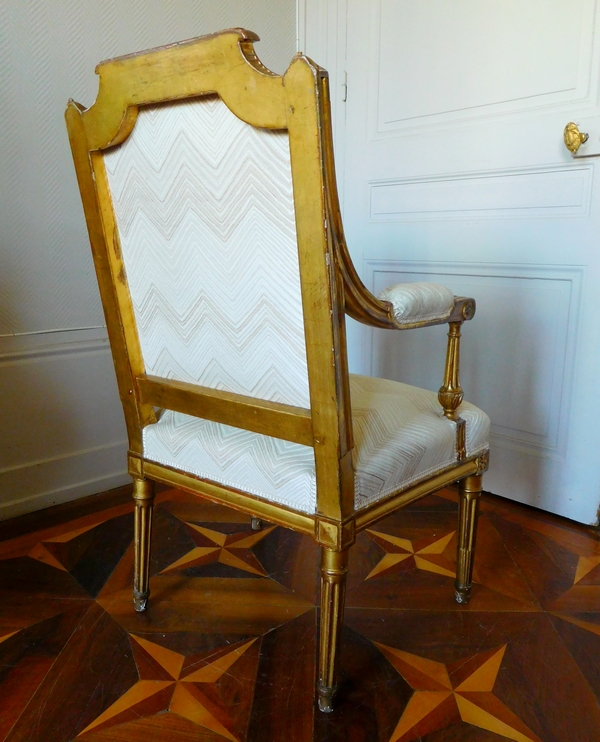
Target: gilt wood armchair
x,y
210,198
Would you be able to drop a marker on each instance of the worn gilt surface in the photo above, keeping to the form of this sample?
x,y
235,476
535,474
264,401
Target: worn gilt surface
x,y
295,109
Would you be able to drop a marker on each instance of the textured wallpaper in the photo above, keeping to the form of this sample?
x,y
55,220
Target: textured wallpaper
x,y
48,51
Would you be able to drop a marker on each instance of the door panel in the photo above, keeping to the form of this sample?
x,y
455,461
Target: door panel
x,y
454,171
488,57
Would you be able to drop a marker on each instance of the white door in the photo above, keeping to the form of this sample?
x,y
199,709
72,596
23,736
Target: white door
x,y
453,170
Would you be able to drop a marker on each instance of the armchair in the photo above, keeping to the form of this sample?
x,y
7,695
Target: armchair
x,y
209,193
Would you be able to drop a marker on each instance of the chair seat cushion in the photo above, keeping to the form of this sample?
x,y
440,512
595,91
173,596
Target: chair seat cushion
x,y
400,435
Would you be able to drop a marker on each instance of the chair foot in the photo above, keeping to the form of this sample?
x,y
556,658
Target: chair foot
x,y
334,568
140,600
469,492
256,524
462,594
143,496
325,696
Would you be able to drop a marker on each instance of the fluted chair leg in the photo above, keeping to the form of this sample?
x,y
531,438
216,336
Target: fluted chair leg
x,y
143,495
334,568
469,492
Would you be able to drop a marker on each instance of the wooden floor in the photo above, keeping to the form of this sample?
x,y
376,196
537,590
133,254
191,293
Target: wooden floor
x,y
227,647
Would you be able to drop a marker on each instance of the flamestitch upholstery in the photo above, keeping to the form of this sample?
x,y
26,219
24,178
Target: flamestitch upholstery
x,y
400,437
419,302
204,210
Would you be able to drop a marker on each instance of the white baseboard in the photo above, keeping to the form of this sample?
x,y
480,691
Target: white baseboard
x,y
42,484
62,432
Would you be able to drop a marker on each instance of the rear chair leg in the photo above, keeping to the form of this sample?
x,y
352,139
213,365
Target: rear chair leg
x,y
334,568
143,495
469,492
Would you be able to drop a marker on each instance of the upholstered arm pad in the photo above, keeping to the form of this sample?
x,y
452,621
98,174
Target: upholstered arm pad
x,y
419,302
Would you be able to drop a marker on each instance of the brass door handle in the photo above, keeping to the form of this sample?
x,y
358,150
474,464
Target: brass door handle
x,y
574,138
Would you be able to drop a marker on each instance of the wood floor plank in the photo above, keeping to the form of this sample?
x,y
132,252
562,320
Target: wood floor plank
x,y
27,656
227,647
93,670
284,697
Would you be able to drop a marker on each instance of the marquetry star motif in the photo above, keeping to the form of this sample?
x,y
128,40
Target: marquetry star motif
x,y
587,551
426,554
52,550
7,635
451,694
233,549
580,545
169,681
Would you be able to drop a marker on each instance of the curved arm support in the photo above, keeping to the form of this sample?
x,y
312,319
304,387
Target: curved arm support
x,y
359,302
364,307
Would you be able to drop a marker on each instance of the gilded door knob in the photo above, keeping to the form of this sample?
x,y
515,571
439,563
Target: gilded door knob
x,y
574,138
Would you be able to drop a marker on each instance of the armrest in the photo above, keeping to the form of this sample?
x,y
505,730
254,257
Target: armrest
x,y
419,302
403,306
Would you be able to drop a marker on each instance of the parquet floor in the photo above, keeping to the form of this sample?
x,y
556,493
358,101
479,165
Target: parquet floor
x,y
226,650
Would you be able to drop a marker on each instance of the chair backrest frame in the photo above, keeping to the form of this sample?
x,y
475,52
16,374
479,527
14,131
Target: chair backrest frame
x,y
298,102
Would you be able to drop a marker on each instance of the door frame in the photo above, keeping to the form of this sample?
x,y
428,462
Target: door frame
x,y
321,35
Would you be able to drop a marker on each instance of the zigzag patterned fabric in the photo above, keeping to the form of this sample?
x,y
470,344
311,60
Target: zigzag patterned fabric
x,y
401,437
204,208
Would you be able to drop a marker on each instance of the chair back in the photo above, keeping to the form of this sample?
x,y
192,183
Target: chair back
x,y
204,177
204,209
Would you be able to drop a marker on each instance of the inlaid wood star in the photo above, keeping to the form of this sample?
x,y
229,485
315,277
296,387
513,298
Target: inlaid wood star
x,y
169,681
448,694
426,554
52,551
586,550
4,635
233,549
560,560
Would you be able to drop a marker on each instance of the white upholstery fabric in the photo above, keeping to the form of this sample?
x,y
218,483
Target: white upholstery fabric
x,y
400,435
205,214
419,302
271,468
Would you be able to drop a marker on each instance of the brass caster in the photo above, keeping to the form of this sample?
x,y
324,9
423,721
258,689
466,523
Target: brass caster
x,y
140,601
256,524
325,699
462,595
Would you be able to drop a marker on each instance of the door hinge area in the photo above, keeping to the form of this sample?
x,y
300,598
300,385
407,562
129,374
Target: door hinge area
x,y
345,86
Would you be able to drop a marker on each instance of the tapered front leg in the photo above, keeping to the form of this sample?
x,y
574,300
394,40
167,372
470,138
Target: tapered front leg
x,y
334,568
143,495
469,492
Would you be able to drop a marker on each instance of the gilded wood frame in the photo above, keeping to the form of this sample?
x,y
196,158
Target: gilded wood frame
x,y
227,65
298,101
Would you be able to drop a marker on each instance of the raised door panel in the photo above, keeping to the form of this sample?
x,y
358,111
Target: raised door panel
x,y
454,171
491,56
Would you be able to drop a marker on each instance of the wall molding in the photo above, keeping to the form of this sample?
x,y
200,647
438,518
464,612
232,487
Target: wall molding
x,y
30,346
551,191
40,484
63,433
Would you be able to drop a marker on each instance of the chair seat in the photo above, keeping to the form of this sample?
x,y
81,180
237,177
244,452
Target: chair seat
x,y
400,436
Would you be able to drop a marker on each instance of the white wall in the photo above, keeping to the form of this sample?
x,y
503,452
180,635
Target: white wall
x,y
62,434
